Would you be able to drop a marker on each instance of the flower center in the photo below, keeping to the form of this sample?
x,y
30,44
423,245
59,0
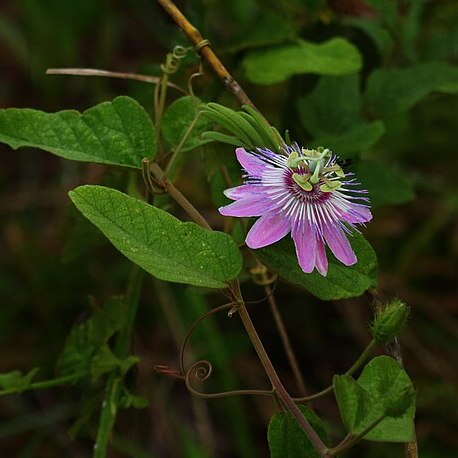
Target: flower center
x,y
315,168
314,194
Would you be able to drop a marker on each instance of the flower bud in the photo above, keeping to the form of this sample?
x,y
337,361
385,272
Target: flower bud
x,y
390,321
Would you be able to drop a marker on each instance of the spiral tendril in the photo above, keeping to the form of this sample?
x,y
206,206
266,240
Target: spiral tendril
x,y
194,325
201,371
174,58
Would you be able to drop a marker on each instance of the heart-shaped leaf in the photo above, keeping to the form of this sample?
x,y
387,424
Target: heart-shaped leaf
x,y
382,390
158,242
286,438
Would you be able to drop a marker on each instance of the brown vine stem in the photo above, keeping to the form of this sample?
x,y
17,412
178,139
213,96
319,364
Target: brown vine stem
x,y
202,46
234,288
204,49
273,376
394,350
179,198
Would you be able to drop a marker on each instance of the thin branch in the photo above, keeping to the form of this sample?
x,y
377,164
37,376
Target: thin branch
x,y
285,340
110,74
182,142
349,441
179,198
65,380
203,48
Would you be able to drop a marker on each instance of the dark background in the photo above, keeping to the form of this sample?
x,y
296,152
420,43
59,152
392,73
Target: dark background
x,y
52,266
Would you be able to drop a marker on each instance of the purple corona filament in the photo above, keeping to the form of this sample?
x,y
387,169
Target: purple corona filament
x,y
304,192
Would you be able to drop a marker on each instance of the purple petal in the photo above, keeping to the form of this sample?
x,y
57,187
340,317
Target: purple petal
x,y
304,237
268,229
357,214
339,244
251,163
249,206
321,258
239,192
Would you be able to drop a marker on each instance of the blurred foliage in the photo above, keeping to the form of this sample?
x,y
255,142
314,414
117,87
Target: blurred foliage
x,y
393,111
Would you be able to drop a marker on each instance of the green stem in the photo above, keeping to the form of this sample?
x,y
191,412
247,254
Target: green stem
x,y
159,105
108,415
121,350
349,441
358,363
180,145
46,384
122,345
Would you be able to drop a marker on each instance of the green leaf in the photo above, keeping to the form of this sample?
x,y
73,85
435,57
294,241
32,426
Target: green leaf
x,y
378,34
118,132
267,27
286,438
78,351
385,184
276,64
158,242
349,396
108,320
223,138
129,399
349,144
16,380
392,91
249,128
383,390
177,119
85,339
332,114
388,12
333,107
341,281
105,361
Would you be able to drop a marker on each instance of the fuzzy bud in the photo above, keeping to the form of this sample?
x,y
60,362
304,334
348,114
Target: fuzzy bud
x,y
390,321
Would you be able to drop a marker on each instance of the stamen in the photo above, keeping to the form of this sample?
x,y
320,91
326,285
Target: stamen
x,y
302,181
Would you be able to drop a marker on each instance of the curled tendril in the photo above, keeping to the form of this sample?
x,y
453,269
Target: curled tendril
x,y
199,72
173,59
194,325
201,371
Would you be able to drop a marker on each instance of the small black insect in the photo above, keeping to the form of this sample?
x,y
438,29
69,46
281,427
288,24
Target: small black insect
x,y
344,162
